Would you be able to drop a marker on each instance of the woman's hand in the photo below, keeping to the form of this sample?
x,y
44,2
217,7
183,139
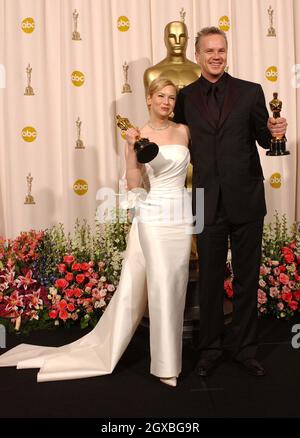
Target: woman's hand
x,y
132,135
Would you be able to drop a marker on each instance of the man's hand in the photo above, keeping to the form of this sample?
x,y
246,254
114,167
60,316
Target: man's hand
x,y
277,127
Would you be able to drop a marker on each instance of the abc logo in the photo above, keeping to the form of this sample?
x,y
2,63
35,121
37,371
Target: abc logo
x,y
224,23
29,133
28,25
275,180
272,73
123,23
80,187
77,78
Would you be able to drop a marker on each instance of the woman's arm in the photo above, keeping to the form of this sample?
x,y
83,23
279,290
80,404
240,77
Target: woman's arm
x,y
133,167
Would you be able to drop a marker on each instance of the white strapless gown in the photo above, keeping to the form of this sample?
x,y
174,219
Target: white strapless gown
x,y
155,270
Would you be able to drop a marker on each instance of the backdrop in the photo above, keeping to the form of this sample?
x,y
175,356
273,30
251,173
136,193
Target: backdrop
x,y
63,67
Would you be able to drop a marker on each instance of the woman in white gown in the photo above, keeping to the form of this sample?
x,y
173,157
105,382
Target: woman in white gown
x,y
155,265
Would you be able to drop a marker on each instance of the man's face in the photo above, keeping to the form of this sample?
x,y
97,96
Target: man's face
x,y
211,55
176,38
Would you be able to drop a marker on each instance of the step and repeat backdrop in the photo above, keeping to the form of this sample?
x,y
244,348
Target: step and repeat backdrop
x,y
68,67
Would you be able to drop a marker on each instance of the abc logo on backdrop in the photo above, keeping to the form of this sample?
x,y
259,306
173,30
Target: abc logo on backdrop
x,y
28,25
272,73
29,133
77,78
224,23
275,180
80,187
123,23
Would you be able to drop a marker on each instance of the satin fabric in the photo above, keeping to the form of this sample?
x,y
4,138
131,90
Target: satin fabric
x,y
154,271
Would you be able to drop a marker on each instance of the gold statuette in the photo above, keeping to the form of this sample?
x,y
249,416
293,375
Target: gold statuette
x,y
75,34
29,198
126,86
278,144
175,66
29,90
79,142
145,149
271,30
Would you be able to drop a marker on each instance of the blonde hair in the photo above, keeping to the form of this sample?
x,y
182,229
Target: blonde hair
x,y
212,30
159,83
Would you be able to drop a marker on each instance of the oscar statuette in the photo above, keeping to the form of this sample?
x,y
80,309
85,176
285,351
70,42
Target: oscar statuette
x,y
278,144
145,149
29,198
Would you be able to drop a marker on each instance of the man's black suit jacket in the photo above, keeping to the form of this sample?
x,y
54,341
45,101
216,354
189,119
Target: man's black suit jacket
x,y
225,157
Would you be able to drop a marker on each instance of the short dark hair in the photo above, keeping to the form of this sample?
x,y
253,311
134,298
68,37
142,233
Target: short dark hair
x,y
212,30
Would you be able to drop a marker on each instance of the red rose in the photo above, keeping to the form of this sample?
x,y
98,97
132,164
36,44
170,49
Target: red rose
x,y
61,283
71,307
69,259
282,268
53,314
297,294
76,267
77,292
85,266
62,268
80,278
69,293
287,296
62,304
293,305
69,276
63,315
288,254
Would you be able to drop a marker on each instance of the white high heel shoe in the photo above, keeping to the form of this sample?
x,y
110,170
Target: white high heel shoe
x,y
170,381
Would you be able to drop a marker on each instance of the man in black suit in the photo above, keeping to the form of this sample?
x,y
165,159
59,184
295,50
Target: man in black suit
x,y
226,117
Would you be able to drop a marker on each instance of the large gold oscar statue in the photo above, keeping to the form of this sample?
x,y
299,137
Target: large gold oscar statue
x,y
176,67
180,70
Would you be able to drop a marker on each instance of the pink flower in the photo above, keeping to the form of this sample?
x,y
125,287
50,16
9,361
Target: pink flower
x,y
25,281
276,271
283,278
261,297
264,270
274,292
62,268
280,306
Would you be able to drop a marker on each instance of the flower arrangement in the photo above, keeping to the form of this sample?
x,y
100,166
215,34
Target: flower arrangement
x,y
278,292
51,279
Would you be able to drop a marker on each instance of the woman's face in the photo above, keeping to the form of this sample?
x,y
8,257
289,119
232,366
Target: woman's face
x,y
162,102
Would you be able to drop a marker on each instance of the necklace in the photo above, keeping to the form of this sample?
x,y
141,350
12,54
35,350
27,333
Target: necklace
x,y
161,128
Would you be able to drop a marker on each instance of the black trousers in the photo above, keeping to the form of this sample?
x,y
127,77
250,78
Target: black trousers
x,y
245,243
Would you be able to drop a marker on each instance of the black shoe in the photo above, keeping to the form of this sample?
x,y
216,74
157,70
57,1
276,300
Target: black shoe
x,y
252,367
205,367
